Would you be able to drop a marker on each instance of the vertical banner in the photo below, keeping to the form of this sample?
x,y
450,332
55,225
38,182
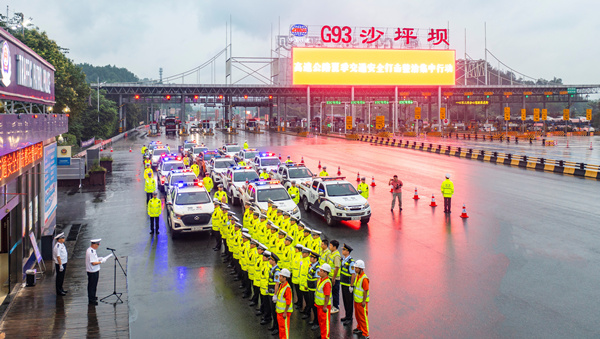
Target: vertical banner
x,y
50,194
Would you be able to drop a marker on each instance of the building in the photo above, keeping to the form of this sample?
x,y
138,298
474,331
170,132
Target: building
x,y
28,132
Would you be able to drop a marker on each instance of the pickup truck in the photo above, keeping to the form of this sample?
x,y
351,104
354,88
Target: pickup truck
x,y
335,199
265,161
288,172
258,192
234,179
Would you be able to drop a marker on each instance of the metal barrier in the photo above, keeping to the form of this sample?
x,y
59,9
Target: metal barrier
x,y
75,171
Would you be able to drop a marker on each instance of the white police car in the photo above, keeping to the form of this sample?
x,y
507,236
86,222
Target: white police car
x,y
166,165
265,161
235,178
246,154
189,209
156,153
218,166
230,149
179,176
259,192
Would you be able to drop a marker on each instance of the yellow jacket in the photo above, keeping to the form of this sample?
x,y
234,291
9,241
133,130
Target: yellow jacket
x,y
447,188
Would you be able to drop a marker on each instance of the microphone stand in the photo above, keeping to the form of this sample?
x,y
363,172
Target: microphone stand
x,y
118,295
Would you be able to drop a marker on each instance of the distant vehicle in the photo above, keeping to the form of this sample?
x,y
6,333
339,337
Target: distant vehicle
x,y
156,153
171,125
246,154
265,161
189,209
187,146
235,178
259,192
179,176
167,164
230,149
218,166
288,172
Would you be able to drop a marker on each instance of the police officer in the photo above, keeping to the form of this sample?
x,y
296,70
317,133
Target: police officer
x,y
258,265
208,183
150,187
246,146
361,299
263,175
196,169
311,283
294,192
144,149
347,275
447,192
59,255
363,188
283,304
221,195
186,161
92,266
302,278
148,173
324,172
216,225
335,262
289,160
154,210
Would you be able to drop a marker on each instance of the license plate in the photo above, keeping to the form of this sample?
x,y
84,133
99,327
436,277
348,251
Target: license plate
x,y
355,218
197,228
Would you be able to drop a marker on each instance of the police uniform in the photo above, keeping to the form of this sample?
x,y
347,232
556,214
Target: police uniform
x,y
273,287
216,225
92,267
324,172
220,195
311,283
59,256
363,188
346,275
154,210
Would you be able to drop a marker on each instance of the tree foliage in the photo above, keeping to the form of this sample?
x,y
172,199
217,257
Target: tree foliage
x,y
108,73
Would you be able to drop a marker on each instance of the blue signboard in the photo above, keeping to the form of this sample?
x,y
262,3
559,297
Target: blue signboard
x,y
50,194
63,162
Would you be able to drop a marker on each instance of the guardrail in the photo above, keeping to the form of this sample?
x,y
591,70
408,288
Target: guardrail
x,y
524,161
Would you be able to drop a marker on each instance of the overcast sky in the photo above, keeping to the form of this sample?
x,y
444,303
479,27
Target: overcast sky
x,y
542,39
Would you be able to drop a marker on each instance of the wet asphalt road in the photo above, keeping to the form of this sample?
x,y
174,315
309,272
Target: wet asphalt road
x,y
525,264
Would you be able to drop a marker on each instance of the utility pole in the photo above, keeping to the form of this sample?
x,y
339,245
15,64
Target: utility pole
x,y
98,93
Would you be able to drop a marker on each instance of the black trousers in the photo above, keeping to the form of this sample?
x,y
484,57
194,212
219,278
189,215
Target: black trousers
x,y
447,204
267,302
148,197
92,285
273,312
255,294
310,303
348,299
335,291
60,277
298,295
153,224
218,240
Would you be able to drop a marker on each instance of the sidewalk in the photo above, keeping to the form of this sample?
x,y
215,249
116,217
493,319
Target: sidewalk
x,y
37,312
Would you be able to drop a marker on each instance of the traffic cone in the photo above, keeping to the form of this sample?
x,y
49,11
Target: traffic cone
x,y
101,149
319,164
416,196
464,212
591,146
433,204
130,150
357,176
111,149
279,156
339,171
567,143
302,161
373,182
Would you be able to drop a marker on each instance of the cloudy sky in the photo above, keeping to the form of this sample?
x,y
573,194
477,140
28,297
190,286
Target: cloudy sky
x,y
541,39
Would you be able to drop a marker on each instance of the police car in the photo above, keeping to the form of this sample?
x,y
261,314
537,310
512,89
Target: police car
x,y
218,166
259,192
179,176
189,209
230,149
156,153
265,161
187,146
335,199
235,178
288,172
196,152
168,163
246,154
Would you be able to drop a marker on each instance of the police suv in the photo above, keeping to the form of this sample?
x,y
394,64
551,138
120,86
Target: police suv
x,y
218,166
189,209
235,178
265,161
230,149
259,192
177,177
335,199
155,155
187,146
288,172
246,154
166,164
197,152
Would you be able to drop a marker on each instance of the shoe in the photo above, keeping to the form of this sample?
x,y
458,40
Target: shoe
x,y
264,322
314,327
252,303
258,313
392,210
94,303
348,321
334,310
313,322
61,293
275,332
215,249
157,232
151,232
356,331
305,316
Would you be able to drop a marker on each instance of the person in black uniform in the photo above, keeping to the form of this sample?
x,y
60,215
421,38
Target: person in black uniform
x,y
347,275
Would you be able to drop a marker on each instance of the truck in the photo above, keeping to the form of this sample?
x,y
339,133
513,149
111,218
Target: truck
x,y
171,125
335,199
288,172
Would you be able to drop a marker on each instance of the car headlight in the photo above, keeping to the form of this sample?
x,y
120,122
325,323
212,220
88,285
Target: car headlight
x,y
366,205
177,216
339,207
295,210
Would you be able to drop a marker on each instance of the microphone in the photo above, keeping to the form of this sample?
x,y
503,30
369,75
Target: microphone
x,y
110,249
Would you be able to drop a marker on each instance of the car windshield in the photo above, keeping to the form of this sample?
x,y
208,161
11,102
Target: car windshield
x,y
182,178
169,123
275,194
301,172
198,150
192,198
171,166
233,149
159,151
243,176
224,164
338,190
186,146
208,156
269,162
249,155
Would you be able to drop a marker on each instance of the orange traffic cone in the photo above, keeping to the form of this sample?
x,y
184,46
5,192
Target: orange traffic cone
x,y
416,196
357,176
302,161
319,164
130,150
339,171
591,146
567,143
433,204
464,212
111,149
279,156
373,182
101,149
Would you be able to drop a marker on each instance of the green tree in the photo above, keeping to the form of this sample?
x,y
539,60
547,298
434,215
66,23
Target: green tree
x,y
108,73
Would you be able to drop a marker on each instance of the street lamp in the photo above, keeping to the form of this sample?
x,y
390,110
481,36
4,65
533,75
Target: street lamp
x,y
66,109
50,108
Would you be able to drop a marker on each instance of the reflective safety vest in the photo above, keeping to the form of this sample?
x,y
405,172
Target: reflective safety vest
x,y
154,207
186,161
150,185
311,277
358,290
315,244
264,175
264,279
285,224
236,240
196,169
303,273
148,173
331,262
208,183
273,279
320,295
288,161
242,163
293,232
447,188
323,174
324,258
345,271
144,148
258,266
251,262
363,189
247,218
294,192
219,196
216,219
147,162
286,257
296,265
280,304
244,247
246,145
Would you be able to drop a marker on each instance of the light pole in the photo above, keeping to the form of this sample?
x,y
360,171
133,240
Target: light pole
x,y
66,110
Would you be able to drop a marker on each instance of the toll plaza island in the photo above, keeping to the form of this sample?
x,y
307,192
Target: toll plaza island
x,y
310,205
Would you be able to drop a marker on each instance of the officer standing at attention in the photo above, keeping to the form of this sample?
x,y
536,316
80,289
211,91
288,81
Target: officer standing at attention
x,y
324,172
363,188
335,262
59,255
447,192
150,187
208,183
294,192
221,195
347,275
246,146
263,175
289,160
323,300
196,169
148,173
311,284
144,149
283,304
154,210
217,217
92,266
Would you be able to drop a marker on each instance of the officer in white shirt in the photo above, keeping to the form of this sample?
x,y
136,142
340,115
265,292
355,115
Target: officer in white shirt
x,y
59,256
92,266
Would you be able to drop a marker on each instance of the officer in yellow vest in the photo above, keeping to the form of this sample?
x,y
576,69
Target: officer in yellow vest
x,y
216,225
144,149
244,259
265,301
447,192
316,240
295,265
147,161
257,263
363,188
251,265
287,253
289,160
294,192
148,172
154,210
208,183
324,172
246,146
263,175
221,195
311,282
335,262
247,218
254,222
302,277
293,230
325,252
150,188
186,161
196,169
284,222
306,239
261,228
242,163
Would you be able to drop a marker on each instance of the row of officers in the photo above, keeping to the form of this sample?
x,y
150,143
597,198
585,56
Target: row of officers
x,y
282,264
